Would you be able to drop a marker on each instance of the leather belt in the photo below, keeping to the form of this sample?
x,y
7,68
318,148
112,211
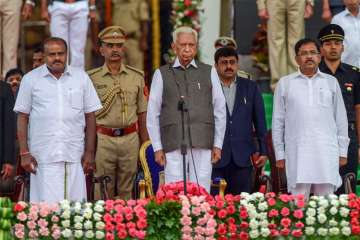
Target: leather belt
x,y
117,132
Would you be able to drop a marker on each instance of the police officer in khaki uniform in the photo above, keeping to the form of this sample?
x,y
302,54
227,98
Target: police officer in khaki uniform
x,y
134,16
121,121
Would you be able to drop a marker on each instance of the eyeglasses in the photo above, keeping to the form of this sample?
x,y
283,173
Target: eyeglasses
x,y
310,53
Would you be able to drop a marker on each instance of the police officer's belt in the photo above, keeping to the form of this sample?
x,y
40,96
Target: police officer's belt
x,y
117,132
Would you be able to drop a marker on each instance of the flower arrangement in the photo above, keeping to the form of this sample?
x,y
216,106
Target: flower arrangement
x,y
172,215
186,13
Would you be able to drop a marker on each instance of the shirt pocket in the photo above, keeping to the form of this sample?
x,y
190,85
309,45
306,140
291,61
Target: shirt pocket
x,y
325,97
76,99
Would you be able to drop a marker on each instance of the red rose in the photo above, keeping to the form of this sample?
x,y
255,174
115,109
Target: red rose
x,y
129,216
355,229
118,218
132,232
18,207
285,211
219,204
222,238
109,227
141,224
244,236
299,225
284,198
300,203
130,225
109,236
243,214
120,227
274,233
107,217
297,233
221,230
231,220
285,222
222,213
232,228
244,225
229,198
122,234
354,213
187,3
271,225
231,209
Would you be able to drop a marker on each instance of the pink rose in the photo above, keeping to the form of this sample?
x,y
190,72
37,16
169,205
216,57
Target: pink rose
x,y
222,213
122,234
130,225
185,220
107,217
285,222
186,230
140,234
21,216
219,204
129,216
285,211
141,224
196,211
273,213
118,218
285,232
109,236
284,198
271,202
132,232
44,232
33,234
55,219
298,214
20,234
199,230
274,233
109,227
56,234
211,223
297,233
42,223
109,205
31,224
185,211
131,202
300,203
127,210
210,231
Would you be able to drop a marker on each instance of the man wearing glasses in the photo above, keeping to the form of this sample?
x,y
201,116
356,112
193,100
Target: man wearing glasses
x,y
309,128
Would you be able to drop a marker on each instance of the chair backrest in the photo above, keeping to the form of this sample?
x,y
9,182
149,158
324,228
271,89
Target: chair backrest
x,y
153,172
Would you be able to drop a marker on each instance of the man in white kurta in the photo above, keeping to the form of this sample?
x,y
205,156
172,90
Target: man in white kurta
x,y
185,44
309,126
56,103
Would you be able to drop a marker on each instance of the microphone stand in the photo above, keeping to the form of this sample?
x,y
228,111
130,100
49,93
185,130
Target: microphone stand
x,y
182,108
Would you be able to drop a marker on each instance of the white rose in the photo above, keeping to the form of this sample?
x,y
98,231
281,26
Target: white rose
x,y
310,220
98,208
263,206
343,199
64,203
252,214
78,219
322,232
258,195
100,225
262,216
66,233
65,223
265,232
78,225
335,202
78,234
321,210
253,224
254,233
89,234
333,211
66,214
312,204
324,203
97,216
346,231
88,225
344,223
88,213
245,195
77,207
333,222
332,197
311,212
315,198
334,231
99,235
322,218
344,212
88,205
102,202
264,223
309,230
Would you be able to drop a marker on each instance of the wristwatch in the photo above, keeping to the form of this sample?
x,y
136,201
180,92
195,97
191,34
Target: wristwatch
x,y
30,2
310,2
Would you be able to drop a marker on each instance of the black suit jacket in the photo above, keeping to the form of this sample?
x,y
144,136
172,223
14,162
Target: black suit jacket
x,y
7,125
248,115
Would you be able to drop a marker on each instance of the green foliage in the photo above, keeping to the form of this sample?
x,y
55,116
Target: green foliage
x,y
163,221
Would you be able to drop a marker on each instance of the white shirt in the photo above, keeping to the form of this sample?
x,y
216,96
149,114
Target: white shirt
x,y
155,101
57,110
310,128
351,26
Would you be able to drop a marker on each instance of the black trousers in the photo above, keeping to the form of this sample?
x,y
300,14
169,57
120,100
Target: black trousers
x,y
238,179
352,164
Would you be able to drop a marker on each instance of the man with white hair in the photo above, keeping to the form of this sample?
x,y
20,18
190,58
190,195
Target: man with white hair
x,y
192,86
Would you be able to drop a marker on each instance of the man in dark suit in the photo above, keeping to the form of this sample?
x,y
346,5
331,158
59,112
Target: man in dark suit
x,y
7,131
245,113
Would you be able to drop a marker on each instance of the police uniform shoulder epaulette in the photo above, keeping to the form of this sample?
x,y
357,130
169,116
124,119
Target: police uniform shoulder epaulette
x,y
243,74
356,68
93,71
135,70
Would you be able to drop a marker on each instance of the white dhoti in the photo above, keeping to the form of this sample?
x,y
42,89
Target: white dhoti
x,y
57,181
202,168
317,189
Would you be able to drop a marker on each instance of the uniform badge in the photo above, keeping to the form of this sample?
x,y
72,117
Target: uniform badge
x,y
348,86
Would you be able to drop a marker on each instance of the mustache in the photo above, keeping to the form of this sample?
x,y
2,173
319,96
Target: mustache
x,y
312,61
115,54
229,70
57,62
14,84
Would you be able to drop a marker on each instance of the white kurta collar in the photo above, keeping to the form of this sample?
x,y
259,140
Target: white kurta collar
x,y
178,64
